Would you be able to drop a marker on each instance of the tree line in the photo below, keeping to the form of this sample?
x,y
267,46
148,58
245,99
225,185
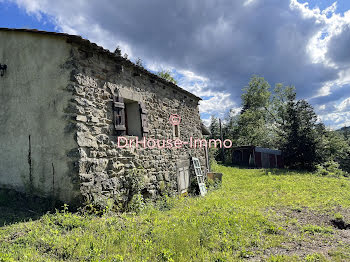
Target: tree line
x,y
276,119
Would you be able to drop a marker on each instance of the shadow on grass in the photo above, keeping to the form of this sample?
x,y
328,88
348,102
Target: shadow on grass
x,y
284,172
235,166
268,171
18,207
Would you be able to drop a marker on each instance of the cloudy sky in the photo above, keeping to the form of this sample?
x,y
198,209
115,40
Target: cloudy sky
x,y
213,47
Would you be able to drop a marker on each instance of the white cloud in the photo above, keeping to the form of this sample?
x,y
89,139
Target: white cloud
x,y
215,48
344,105
249,2
336,120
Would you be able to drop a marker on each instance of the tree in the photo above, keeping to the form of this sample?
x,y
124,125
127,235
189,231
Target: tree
x,y
300,138
256,95
278,120
139,62
214,128
230,128
254,126
118,51
333,147
167,76
281,95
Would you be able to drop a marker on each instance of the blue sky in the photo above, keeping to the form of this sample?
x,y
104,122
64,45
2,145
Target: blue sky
x,y
342,5
214,49
14,17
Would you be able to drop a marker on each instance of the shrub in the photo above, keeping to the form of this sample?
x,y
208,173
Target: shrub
x,y
136,204
330,168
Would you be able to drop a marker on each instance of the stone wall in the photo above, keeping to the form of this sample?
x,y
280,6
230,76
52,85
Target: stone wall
x,y
104,169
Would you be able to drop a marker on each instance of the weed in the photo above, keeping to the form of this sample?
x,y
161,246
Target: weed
x,y
313,229
338,216
316,257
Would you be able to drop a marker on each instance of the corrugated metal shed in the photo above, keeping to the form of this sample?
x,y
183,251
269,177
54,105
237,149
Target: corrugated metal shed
x,y
257,157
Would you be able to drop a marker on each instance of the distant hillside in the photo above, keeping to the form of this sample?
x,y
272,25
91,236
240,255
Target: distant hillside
x,y
344,129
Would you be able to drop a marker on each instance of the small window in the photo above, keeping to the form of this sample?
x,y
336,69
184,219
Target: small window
x,y
132,118
176,131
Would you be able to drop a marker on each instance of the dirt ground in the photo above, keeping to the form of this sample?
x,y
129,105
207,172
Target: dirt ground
x,y
296,223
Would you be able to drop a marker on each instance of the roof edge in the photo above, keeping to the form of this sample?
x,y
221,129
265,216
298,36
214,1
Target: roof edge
x,y
80,40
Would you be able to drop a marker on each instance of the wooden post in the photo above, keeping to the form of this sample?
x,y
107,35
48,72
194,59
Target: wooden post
x,y
222,141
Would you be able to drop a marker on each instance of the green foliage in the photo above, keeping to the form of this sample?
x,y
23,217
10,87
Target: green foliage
x,y
252,129
214,128
263,113
313,229
330,168
256,95
340,254
136,203
300,137
333,151
316,257
338,216
253,125
134,181
213,184
131,200
166,74
279,104
277,120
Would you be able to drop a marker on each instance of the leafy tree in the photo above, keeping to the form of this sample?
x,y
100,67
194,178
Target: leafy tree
x,y
252,129
165,74
256,95
333,147
254,125
346,132
281,95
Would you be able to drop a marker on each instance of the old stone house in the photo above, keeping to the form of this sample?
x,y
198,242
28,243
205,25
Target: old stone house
x,y
65,102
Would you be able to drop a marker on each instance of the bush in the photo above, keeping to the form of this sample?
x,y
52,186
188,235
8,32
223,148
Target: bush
x,y
213,184
136,204
330,168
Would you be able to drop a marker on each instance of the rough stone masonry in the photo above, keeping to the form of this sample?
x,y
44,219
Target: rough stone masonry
x,y
64,103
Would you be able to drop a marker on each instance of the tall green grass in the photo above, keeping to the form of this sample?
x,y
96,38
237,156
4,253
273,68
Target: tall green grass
x,y
229,224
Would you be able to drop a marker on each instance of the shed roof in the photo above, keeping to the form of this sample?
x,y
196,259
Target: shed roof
x,y
268,150
84,42
259,149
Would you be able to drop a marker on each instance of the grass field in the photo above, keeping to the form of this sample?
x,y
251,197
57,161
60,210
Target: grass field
x,y
256,215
